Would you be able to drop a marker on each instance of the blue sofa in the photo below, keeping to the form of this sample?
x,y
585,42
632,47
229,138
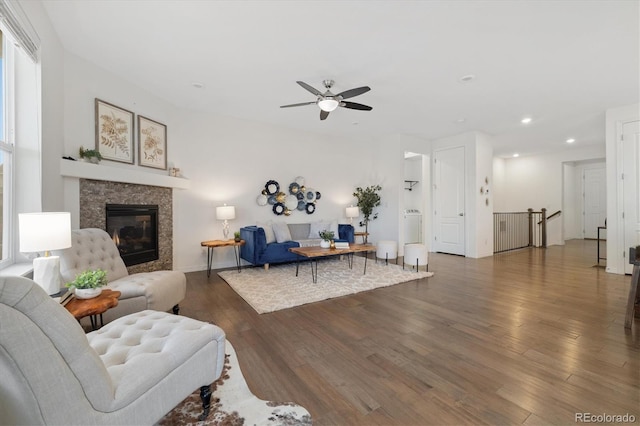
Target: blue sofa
x,y
257,252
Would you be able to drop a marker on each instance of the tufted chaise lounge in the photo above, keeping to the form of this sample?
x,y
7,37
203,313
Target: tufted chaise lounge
x,y
132,371
93,248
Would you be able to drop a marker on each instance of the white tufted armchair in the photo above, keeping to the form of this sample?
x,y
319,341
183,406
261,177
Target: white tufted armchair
x,y
93,248
132,371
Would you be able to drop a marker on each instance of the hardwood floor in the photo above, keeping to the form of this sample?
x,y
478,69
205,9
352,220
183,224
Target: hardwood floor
x,y
528,337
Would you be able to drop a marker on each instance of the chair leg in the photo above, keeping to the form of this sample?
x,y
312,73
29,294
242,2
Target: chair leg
x,y
417,267
176,309
205,396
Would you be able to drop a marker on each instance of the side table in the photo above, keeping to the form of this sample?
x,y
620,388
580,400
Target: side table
x,y
362,234
91,308
210,245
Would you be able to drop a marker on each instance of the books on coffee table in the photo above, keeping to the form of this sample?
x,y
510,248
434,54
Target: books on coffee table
x,y
342,244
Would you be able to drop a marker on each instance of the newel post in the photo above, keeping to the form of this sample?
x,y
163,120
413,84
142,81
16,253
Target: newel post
x,y
544,227
530,215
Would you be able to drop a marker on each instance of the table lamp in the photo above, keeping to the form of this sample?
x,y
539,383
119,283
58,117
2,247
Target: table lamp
x,y
225,213
43,232
352,212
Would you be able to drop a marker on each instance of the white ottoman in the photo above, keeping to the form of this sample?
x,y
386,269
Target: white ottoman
x,y
387,250
416,255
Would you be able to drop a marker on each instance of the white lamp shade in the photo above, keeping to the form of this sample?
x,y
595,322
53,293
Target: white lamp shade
x,y
44,231
225,212
353,211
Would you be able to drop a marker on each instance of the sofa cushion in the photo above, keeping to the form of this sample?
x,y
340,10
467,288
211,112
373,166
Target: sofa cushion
x,y
299,231
160,288
268,231
309,242
328,225
316,227
282,232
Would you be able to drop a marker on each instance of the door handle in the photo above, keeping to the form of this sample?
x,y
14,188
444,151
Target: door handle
x,y
460,214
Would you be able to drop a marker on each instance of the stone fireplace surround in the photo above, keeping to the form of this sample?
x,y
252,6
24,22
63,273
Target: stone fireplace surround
x,y
89,187
96,194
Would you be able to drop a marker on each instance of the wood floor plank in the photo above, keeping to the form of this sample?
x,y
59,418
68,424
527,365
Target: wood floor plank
x,y
527,337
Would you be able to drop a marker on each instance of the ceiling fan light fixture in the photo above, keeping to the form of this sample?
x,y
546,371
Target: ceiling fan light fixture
x,y
328,104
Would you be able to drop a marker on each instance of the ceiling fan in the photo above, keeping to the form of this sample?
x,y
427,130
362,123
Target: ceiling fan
x,y
328,102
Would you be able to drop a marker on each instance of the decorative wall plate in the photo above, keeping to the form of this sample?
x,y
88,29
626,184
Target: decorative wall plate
x,y
278,208
272,187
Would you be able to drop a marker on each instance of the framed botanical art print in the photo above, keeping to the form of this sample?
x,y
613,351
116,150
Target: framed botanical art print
x,y
152,141
114,132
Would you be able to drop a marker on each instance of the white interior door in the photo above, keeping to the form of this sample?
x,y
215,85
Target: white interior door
x,y
594,193
449,214
631,186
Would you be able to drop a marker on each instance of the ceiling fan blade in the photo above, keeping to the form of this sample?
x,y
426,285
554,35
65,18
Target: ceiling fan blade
x,y
309,88
354,92
324,114
353,105
295,105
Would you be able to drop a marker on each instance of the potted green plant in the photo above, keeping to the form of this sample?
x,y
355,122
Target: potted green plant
x,y
90,155
327,237
236,236
368,199
89,283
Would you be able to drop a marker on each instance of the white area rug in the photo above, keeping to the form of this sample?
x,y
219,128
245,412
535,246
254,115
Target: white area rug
x,y
278,287
232,403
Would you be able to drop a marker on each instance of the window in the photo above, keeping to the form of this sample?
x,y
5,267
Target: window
x,y
6,156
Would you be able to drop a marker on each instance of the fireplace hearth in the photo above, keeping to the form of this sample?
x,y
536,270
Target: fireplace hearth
x,y
134,229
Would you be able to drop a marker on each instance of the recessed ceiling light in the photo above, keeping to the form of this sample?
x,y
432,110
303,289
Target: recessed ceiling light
x,y
526,120
571,140
467,78
461,120
197,85
516,155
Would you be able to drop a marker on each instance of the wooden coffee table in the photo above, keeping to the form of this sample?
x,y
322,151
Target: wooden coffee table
x,y
315,253
91,308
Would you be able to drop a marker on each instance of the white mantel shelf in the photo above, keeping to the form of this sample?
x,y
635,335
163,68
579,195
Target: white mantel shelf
x,y
84,170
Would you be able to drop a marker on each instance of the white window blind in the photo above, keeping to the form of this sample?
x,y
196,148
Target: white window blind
x,y
16,21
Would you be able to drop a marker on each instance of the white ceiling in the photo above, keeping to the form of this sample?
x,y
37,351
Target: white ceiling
x,y
561,62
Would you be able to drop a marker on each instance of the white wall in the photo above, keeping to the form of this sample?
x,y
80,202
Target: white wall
x,y
499,186
615,117
536,182
229,160
484,202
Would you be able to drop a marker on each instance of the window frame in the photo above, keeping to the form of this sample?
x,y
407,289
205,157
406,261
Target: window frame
x,y
7,145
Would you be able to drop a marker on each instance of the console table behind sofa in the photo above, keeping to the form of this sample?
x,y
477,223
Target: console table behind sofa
x,y
257,252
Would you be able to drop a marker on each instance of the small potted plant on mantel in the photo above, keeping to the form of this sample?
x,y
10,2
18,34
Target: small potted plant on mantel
x,y
327,238
90,155
88,284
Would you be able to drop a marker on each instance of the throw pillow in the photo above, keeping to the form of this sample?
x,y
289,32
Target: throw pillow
x,y
282,232
316,227
268,231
